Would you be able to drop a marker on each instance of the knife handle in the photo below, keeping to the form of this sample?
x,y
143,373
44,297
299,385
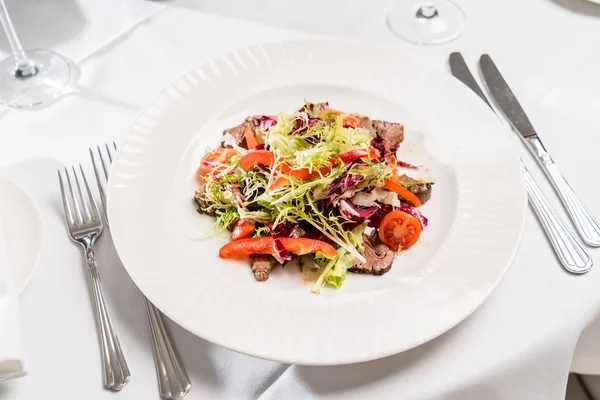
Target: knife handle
x,y
173,380
569,251
584,221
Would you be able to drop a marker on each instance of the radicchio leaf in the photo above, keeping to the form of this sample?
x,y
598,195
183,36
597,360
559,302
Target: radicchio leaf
x,y
375,219
267,123
280,248
287,229
310,107
300,126
347,210
235,189
414,212
350,180
379,144
307,120
406,165
351,212
343,182
367,212
315,119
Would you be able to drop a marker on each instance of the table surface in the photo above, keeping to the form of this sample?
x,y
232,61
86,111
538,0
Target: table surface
x,y
518,345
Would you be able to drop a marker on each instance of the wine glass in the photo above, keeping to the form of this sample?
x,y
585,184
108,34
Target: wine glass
x,y
30,79
426,21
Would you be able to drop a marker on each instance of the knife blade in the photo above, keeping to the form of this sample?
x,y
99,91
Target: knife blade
x,y
505,98
568,249
582,218
461,71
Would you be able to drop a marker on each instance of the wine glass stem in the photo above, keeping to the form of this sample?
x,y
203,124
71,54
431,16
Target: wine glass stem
x,y
427,10
24,66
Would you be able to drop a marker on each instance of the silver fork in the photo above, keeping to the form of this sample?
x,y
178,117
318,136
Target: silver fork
x,y
173,380
85,227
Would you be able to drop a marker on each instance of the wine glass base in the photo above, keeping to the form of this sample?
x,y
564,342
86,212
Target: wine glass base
x,y
418,22
38,84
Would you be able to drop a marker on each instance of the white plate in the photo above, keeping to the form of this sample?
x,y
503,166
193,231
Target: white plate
x,y
23,224
476,212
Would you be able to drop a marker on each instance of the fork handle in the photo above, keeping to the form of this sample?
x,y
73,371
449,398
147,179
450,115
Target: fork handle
x,y
114,367
569,251
173,381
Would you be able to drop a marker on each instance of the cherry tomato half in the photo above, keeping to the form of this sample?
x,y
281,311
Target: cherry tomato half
x,y
399,230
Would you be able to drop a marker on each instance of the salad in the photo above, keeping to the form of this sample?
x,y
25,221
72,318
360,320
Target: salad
x,y
318,186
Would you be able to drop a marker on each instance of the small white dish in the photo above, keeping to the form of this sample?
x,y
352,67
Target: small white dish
x,y
22,221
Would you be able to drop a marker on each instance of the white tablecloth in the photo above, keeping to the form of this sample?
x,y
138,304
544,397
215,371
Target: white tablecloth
x,y
518,345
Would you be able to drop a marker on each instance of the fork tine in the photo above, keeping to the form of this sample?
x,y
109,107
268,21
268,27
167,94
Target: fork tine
x,y
100,184
109,154
68,212
104,168
95,215
85,210
76,208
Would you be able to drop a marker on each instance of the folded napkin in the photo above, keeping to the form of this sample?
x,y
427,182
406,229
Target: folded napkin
x,y
11,361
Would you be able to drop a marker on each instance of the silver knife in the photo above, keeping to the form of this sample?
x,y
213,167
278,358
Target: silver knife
x,y
568,249
584,221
